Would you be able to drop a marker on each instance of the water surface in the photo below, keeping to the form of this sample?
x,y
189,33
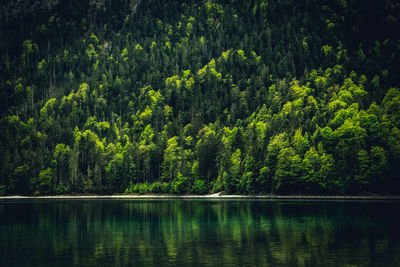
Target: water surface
x,y
198,232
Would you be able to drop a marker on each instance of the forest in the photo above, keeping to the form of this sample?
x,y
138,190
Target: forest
x,y
197,97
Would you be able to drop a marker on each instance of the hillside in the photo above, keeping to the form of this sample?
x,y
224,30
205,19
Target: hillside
x,y
244,97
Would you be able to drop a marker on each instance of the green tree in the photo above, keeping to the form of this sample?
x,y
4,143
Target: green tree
x,y
172,158
288,171
300,143
180,185
231,178
378,164
62,156
19,183
249,182
46,181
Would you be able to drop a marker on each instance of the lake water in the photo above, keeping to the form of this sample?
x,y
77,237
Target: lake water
x,y
198,232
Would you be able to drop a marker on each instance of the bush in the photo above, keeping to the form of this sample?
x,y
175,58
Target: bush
x,y
155,188
199,187
143,188
136,188
165,188
129,189
180,185
60,189
140,188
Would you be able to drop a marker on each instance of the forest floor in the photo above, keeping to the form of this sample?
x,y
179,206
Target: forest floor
x,y
214,196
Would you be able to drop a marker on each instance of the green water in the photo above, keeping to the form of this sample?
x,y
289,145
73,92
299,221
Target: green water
x,y
198,233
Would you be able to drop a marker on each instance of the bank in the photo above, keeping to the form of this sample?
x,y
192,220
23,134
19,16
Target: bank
x,y
213,196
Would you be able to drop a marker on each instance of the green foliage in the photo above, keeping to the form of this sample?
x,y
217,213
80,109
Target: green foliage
x,y
199,187
20,179
45,181
155,188
288,171
300,142
180,185
231,178
378,162
248,97
139,188
318,172
172,157
249,183
165,188
391,104
265,180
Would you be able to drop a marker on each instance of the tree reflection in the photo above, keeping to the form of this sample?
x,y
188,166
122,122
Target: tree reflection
x,y
198,232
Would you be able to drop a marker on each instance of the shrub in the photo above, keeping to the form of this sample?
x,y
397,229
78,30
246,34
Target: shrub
x,y
165,188
199,187
60,189
155,188
180,184
143,188
129,189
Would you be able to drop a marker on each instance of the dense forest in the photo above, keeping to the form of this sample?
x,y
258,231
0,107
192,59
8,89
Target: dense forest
x,y
196,97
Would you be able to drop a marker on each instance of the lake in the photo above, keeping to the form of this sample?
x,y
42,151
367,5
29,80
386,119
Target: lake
x,y
198,232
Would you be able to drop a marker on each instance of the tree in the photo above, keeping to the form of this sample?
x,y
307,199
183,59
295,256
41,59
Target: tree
x,y
391,105
249,183
317,169
62,156
206,153
378,164
172,158
46,181
19,183
276,144
109,102
351,138
231,178
288,171
300,143
180,184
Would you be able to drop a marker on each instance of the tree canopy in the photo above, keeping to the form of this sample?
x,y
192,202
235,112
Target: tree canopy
x,y
245,97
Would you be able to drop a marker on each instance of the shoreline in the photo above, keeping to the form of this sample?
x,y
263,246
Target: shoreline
x,y
211,196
